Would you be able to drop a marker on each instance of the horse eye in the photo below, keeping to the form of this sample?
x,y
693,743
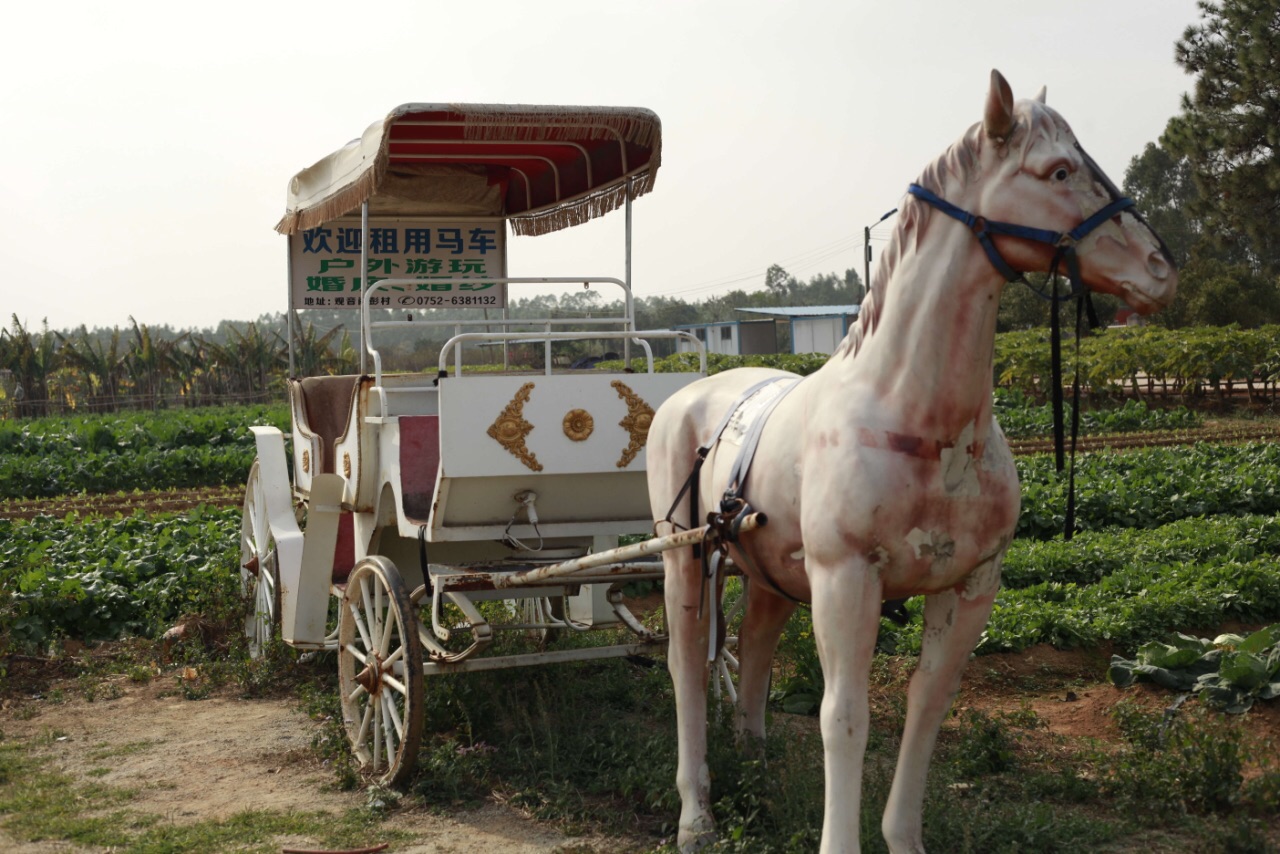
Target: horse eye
x,y
1061,174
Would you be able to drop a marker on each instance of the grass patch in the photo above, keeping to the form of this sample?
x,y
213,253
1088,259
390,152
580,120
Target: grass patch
x,y
100,752
40,803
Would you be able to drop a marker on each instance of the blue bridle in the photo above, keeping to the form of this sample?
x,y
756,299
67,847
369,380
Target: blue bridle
x,y
1063,241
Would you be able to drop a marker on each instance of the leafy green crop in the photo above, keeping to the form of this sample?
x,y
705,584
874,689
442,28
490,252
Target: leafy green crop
x,y
1229,671
153,450
165,429
1092,555
1150,487
100,579
1019,418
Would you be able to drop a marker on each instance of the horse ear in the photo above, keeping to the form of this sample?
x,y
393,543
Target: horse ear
x,y
1042,95
997,121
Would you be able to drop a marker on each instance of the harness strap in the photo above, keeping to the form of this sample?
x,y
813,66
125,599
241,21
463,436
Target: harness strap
x,y
728,531
734,499
733,494
692,482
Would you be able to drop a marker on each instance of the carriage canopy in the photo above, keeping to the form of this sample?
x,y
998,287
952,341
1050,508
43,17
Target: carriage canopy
x,y
543,168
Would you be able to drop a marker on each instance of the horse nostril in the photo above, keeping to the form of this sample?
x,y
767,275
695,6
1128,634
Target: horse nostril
x,y
1158,266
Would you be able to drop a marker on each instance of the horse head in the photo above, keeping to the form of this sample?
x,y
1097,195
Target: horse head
x,y
1030,181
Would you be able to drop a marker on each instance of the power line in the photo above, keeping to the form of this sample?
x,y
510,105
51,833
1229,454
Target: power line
x,y
801,261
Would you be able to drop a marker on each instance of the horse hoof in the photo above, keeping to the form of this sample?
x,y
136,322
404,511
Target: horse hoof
x,y
690,841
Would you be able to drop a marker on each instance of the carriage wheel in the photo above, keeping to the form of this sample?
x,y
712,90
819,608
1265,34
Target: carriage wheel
x,y
259,569
380,671
724,670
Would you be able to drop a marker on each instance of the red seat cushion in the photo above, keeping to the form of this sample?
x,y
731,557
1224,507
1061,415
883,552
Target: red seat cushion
x,y
419,463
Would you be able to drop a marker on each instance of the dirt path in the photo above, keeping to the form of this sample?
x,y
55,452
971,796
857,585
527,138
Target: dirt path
x,y
194,760
209,759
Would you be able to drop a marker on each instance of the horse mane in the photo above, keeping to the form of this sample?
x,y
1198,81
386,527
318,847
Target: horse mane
x,y
956,166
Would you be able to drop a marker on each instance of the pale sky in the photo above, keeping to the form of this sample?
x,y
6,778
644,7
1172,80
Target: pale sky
x,y
147,146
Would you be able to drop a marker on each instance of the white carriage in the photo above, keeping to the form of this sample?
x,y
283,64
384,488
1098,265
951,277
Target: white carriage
x,y
415,497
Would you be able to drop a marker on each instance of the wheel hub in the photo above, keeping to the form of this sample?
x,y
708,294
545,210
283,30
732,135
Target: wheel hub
x,y
370,678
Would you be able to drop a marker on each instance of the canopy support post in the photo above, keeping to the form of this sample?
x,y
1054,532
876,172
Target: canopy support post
x,y
289,313
631,309
364,282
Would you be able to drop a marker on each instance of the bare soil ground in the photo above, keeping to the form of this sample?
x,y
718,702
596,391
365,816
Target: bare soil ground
x,y
195,760
192,760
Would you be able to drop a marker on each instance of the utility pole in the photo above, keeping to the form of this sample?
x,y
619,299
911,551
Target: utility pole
x,y
866,250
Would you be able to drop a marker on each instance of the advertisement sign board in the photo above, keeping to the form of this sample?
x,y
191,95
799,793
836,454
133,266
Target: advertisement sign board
x,y
448,260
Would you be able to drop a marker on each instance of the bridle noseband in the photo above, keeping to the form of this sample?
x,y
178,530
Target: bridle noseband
x,y
1064,241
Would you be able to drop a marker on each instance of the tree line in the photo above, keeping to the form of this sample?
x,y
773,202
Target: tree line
x,y
1210,186
44,371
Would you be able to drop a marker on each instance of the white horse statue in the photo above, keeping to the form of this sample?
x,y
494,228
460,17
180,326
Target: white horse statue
x,y
884,475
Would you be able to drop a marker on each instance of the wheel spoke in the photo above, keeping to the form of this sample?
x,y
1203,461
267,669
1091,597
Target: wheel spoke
x,y
393,712
360,626
391,729
377,731
370,630
367,715
393,657
389,680
388,626
356,653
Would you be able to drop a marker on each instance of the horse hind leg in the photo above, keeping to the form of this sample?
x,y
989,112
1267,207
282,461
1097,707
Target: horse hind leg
x,y
953,623
687,662
765,617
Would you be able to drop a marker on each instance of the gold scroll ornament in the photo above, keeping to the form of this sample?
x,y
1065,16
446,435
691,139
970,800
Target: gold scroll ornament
x,y
510,429
639,417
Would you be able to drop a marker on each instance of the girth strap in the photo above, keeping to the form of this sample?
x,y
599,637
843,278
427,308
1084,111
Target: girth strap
x,y
734,499
736,505
691,484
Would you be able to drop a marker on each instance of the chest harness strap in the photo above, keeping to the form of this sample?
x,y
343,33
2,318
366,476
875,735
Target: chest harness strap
x,y
733,505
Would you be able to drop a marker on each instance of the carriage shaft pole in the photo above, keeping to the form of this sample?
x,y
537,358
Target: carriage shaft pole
x,y
622,553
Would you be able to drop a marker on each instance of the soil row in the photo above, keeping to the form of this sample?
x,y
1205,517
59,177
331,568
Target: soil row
x,y
108,504
1164,438
233,496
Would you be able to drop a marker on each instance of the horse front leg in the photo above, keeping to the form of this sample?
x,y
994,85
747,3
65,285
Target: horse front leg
x,y
846,620
953,623
762,625
687,662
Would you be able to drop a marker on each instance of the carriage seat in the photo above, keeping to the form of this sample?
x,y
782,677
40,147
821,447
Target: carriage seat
x,y
327,403
419,464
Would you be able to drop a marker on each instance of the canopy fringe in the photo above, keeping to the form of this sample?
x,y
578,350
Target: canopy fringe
x,y
581,210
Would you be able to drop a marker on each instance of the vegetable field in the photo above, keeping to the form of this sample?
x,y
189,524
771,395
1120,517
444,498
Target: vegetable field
x,y
1170,586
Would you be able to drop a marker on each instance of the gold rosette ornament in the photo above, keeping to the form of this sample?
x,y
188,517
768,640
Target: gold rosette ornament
x,y
578,424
